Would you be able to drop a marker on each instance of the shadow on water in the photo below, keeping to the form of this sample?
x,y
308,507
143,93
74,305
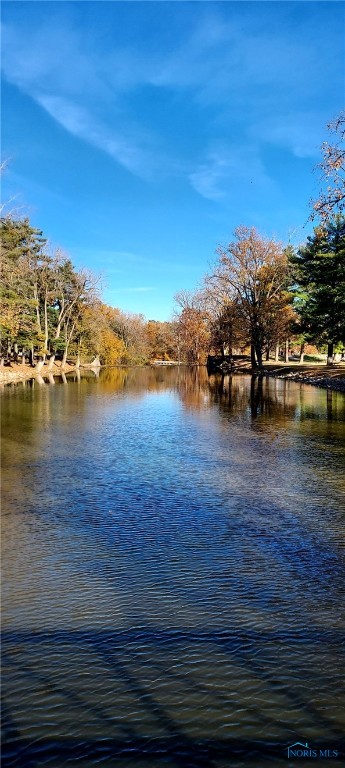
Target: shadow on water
x,y
130,660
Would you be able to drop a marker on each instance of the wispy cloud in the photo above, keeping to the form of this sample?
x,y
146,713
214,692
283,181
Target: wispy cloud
x,y
80,122
230,57
234,69
77,90
227,172
301,133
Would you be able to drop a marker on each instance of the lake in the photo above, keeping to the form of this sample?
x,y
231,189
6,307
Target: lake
x,y
173,563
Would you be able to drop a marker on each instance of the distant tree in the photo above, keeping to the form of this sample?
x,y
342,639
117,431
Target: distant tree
x,y
161,340
111,348
252,273
279,324
192,328
319,272
131,330
332,199
227,331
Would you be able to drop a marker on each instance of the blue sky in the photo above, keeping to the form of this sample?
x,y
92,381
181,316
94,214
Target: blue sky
x,y
140,134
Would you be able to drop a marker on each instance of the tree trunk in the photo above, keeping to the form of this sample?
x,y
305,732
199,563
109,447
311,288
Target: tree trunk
x,y
330,348
77,364
68,339
301,352
39,366
267,353
15,352
286,357
58,330
51,362
37,308
252,356
46,332
258,352
31,356
276,353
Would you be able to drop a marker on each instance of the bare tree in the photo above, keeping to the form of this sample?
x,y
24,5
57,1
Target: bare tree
x,y
332,199
8,209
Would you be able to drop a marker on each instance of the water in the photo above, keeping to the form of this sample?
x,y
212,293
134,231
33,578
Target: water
x,y
173,570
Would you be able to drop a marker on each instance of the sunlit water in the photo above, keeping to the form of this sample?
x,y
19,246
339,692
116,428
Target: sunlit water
x,y
173,570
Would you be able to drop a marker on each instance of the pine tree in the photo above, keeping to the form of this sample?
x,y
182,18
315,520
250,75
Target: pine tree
x,y
20,244
319,270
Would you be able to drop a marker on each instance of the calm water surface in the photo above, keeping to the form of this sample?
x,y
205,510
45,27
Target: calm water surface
x,y
173,570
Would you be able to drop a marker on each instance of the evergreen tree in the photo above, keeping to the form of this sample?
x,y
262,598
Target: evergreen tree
x,y
319,271
21,245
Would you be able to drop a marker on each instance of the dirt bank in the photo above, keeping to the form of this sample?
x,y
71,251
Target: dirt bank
x,y
14,372
317,374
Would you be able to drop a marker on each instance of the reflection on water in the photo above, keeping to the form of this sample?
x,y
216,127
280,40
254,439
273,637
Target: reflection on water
x,y
173,562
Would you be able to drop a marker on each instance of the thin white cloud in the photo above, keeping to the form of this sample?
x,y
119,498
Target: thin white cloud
x,y
227,172
73,88
234,68
302,133
208,178
234,58
81,123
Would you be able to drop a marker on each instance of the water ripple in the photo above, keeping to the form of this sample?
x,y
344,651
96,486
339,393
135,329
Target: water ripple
x,y
173,556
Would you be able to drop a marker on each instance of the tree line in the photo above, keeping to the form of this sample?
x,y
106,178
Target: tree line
x,y
261,295
51,311
258,297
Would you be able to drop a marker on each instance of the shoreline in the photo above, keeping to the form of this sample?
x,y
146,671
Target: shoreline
x,y
316,375
12,373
